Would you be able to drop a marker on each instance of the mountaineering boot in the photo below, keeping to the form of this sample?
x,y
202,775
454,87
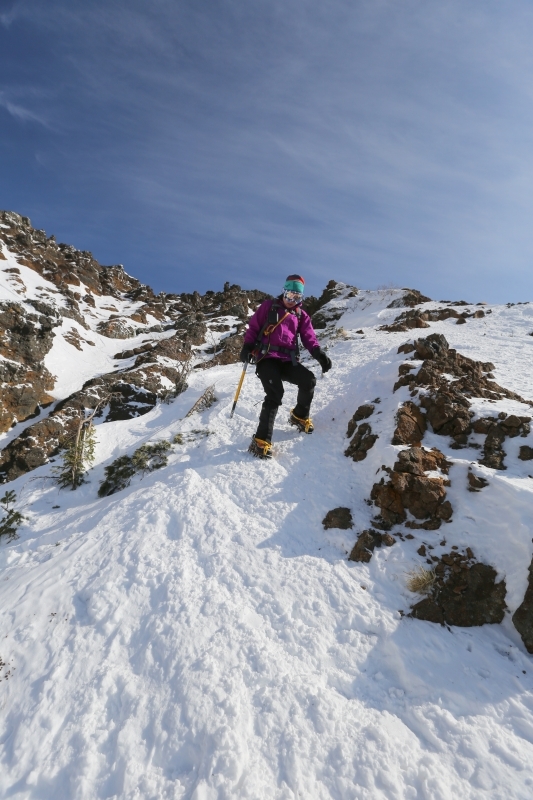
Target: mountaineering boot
x,y
303,425
260,448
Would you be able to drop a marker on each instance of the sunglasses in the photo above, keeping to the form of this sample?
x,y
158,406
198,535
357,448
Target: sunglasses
x,y
292,297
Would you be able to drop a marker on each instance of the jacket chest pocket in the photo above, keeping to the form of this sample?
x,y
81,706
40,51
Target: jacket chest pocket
x,y
288,330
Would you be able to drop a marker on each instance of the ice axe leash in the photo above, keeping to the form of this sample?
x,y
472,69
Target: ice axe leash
x,y
239,387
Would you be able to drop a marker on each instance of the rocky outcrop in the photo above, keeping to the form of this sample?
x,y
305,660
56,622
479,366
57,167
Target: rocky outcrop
x,y
85,291
314,305
132,392
464,593
410,299
227,352
449,381
413,493
410,489
62,264
25,339
420,318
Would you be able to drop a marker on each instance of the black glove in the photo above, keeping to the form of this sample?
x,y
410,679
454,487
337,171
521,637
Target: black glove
x,y
323,359
246,354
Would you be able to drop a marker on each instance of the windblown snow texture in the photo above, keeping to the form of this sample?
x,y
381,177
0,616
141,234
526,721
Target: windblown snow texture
x,y
200,635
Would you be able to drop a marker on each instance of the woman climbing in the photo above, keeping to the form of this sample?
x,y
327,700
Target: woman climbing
x,y
271,342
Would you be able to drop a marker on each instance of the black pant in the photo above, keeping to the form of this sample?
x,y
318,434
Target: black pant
x,y
272,372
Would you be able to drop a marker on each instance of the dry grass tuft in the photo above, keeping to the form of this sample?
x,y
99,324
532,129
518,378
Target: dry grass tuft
x,y
420,580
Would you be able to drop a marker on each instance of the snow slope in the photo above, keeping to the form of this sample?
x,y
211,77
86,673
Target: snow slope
x,y
199,635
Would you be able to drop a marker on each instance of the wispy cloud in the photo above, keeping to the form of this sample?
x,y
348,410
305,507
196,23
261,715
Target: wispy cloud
x,y
21,113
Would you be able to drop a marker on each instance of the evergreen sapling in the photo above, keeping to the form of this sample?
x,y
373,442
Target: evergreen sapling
x,y
13,519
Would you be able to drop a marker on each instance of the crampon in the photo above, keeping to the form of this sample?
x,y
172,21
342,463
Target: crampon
x,y
260,448
303,425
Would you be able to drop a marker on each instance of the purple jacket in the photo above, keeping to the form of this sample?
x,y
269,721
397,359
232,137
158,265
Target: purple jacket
x,y
285,335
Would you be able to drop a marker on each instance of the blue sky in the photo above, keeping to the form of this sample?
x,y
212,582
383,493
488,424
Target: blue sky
x,y
379,142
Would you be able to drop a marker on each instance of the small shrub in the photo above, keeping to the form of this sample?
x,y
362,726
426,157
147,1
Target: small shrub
x,y
117,476
77,457
151,456
205,401
146,458
13,519
177,438
420,580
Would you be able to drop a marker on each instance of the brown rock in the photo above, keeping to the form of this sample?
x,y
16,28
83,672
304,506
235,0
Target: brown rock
x,y
493,452
410,425
406,348
463,595
476,483
411,298
363,412
410,489
338,518
523,616
363,440
366,542
25,340
484,424
526,453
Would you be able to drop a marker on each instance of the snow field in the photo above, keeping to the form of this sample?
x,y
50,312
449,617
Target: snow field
x,y
199,635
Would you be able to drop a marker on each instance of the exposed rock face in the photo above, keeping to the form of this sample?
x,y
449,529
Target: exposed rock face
x,y
160,365
447,403
410,425
227,353
465,593
314,305
366,543
338,518
523,616
133,392
410,489
62,264
25,339
413,493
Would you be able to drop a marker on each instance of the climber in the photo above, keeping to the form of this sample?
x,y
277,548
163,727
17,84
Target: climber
x,y
271,342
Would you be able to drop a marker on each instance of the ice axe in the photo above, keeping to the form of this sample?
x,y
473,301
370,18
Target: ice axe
x,y
239,387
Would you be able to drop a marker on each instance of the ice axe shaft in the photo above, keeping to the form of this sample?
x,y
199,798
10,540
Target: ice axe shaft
x,y
239,387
